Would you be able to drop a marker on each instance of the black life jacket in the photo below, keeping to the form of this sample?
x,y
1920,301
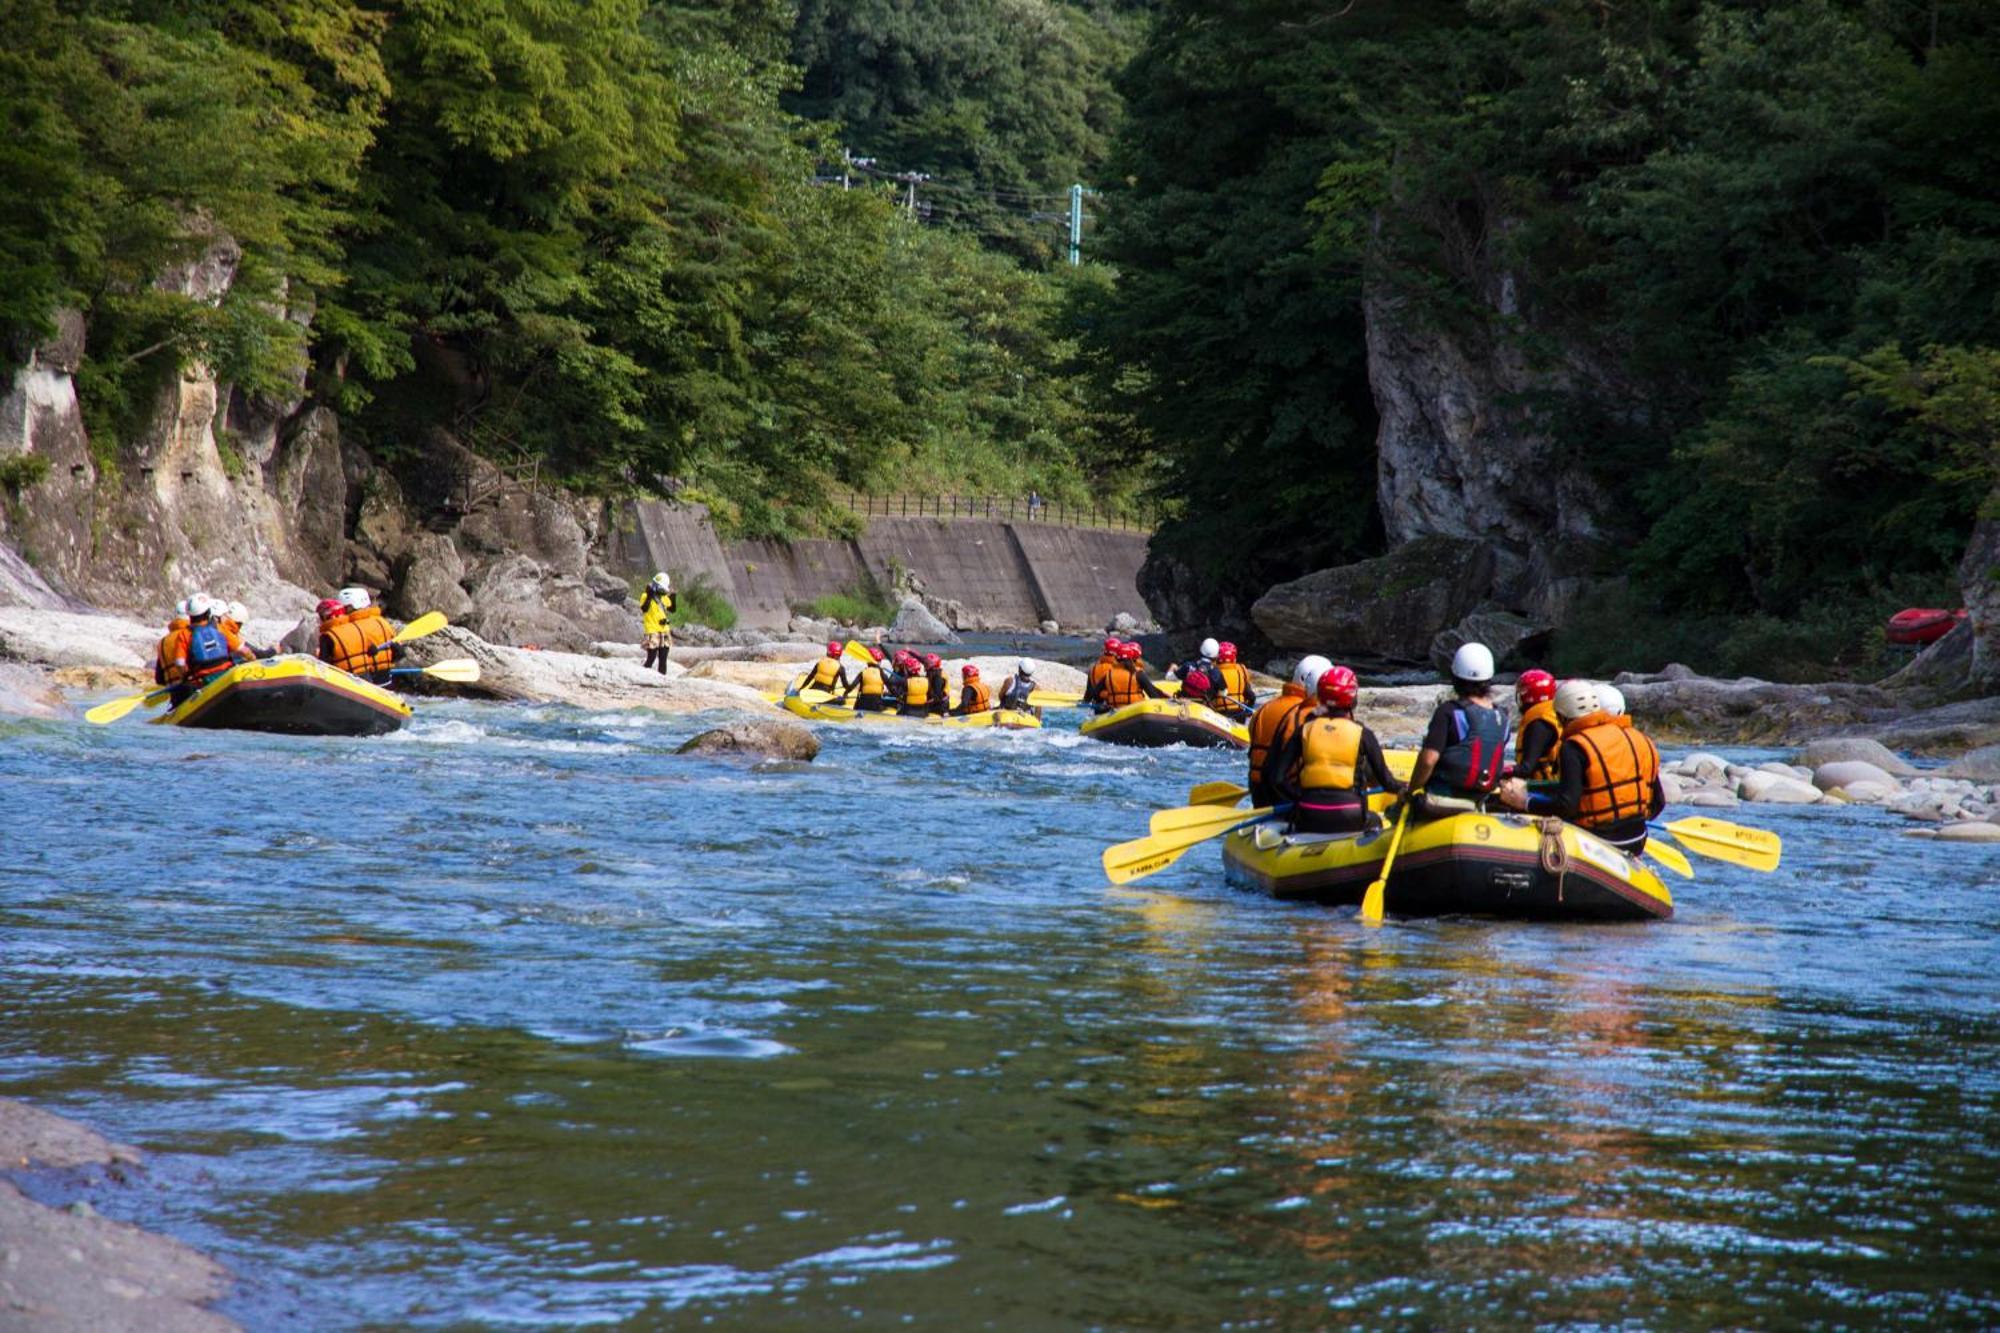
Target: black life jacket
x,y
1472,762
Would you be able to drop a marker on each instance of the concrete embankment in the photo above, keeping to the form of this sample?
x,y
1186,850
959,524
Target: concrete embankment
x,y
1000,574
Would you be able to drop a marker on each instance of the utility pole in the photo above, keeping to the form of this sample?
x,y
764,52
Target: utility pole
x,y
847,168
1076,224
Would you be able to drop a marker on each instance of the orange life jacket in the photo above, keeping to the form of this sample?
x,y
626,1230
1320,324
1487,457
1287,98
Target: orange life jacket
x,y
1100,669
1621,766
1235,679
167,657
361,642
1272,725
976,697
825,675
1547,768
1329,753
1121,686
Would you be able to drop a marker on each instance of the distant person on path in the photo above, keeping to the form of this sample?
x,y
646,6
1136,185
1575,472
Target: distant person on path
x,y
1034,504
656,610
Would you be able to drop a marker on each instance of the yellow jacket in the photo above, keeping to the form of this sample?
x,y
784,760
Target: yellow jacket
x,y
655,612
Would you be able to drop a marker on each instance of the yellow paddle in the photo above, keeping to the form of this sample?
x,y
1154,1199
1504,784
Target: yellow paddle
x,y
858,651
1188,818
1371,901
1140,857
117,708
1670,856
423,626
1720,840
1216,793
457,670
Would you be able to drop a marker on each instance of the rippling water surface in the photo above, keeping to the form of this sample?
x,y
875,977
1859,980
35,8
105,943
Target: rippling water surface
x,y
519,1018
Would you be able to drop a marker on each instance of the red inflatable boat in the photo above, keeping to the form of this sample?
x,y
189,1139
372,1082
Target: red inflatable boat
x,y
1921,625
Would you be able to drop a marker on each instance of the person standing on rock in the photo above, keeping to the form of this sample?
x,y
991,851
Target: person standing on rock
x,y
1331,762
359,641
1610,772
1278,720
1465,745
656,610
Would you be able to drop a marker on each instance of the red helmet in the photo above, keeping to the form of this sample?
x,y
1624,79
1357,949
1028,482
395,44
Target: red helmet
x,y
1535,686
1112,645
1225,652
932,662
1337,687
1128,652
969,671
1196,682
877,653
328,607
833,650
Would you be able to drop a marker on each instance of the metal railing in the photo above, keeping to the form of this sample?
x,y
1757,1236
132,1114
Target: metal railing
x,y
998,508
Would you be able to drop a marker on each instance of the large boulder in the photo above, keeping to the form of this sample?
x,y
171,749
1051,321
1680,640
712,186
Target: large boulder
x,y
915,623
1979,583
572,678
768,739
1389,607
1747,711
26,692
1777,789
1516,641
65,638
1847,772
774,677
1980,765
1836,749
1948,729
431,578
518,601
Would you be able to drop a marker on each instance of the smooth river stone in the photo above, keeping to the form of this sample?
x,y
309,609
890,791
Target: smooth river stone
x,y
1702,764
1847,772
1975,831
1714,798
1862,793
1777,789
1834,749
1982,765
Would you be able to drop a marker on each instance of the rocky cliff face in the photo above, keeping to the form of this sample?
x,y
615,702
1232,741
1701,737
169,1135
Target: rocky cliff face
x,y
263,502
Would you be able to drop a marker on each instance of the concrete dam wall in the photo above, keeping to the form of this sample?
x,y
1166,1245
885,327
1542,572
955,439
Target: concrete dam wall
x,y
1004,575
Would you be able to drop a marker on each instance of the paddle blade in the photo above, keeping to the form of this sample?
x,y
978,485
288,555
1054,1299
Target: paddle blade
x,y
1670,856
1216,793
1054,699
424,625
457,670
110,712
1752,848
1371,902
1400,763
1373,907
1191,818
858,651
1141,857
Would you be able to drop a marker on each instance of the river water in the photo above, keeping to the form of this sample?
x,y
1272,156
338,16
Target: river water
x,y
518,1018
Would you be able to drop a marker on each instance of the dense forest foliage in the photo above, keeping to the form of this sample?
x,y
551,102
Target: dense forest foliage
x,y
1769,230
1759,241
586,233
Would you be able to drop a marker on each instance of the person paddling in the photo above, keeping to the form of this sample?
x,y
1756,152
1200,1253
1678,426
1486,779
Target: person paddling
x,y
656,610
974,695
166,653
1124,684
1465,745
1540,732
871,685
1278,720
205,649
359,641
1610,772
1329,764
828,674
1018,690
937,689
1237,696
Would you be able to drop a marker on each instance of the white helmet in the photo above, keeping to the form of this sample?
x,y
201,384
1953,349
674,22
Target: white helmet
x,y
1307,673
1024,667
1575,699
1211,649
238,612
199,605
1472,662
1611,699
181,607
662,581
354,599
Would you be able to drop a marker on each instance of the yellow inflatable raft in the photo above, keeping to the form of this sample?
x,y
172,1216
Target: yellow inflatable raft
x,y
294,695
820,710
1480,864
1152,722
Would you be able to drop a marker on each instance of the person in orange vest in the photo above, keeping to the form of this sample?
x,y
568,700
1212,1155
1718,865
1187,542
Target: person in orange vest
x,y
165,672
1610,772
1125,683
1274,723
1103,665
205,649
1236,695
359,641
1538,735
1331,762
975,695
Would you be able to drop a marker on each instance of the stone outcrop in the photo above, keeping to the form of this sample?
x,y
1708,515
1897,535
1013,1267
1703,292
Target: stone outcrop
x,y
1840,749
572,678
771,739
1749,711
1389,607
1979,583
916,623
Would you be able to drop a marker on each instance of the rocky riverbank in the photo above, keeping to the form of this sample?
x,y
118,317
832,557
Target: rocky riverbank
x,y
71,1268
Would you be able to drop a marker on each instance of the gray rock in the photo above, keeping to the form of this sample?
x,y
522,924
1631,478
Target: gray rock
x,y
767,739
1847,772
607,585
1713,798
1122,623
1971,831
1050,627
64,638
1863,792
26,692
1515,640
575,678
1704,765
914,623
1672,786
431,578
1836,749
1388,607
1751,711
1777,789
1980,586
1980,765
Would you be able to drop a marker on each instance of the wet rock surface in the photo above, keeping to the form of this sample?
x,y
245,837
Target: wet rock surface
x,y
769,739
